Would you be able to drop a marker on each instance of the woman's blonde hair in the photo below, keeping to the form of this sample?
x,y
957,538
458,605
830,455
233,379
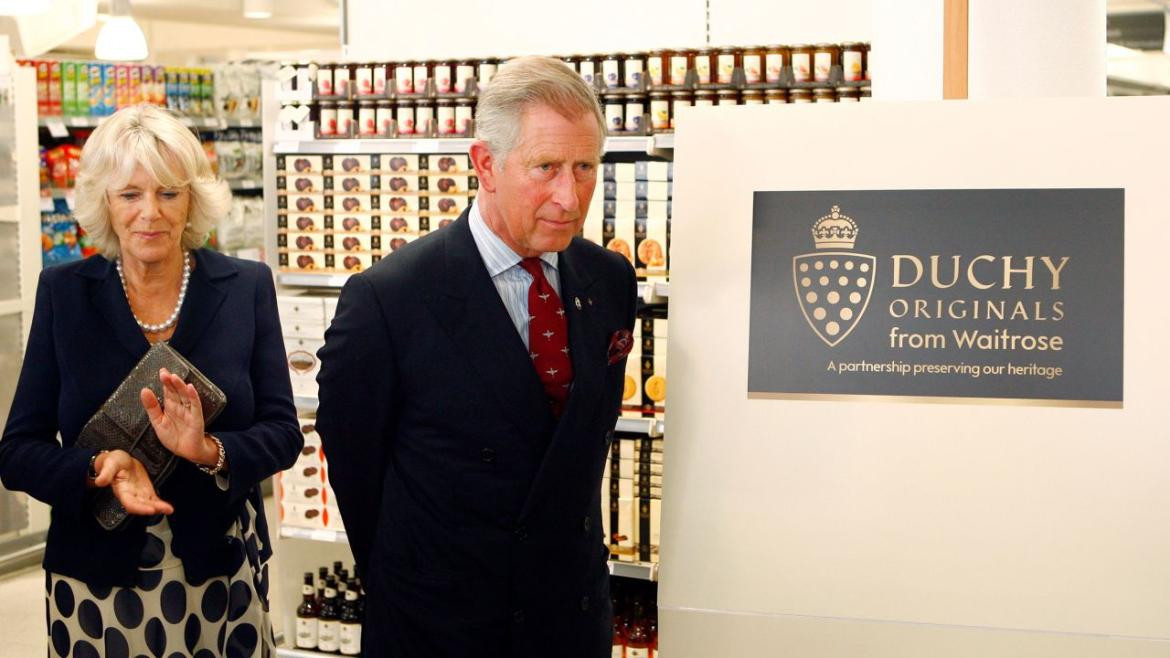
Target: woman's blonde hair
x,y
153,138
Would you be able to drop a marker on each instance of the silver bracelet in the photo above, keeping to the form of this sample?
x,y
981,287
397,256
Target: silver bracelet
x,y
219,463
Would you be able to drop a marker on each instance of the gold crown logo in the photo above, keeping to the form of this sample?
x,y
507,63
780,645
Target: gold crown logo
x,y
834,231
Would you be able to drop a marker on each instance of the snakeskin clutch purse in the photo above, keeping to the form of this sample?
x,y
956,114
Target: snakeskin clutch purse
x,y
122,424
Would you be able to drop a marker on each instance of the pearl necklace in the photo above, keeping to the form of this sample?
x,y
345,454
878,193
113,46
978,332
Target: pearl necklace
x,y
174,317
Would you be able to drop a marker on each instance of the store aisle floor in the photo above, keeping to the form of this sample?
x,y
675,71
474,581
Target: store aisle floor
x,y
22,613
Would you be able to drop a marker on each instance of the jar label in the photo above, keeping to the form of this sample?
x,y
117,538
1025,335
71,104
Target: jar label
x,y
678,70
726,68
443,79
341,82
619,651
446,120
801,67
752,69
587,71
463,120
654,70
851,63
634,117
306,633
703,69
633,72
774,64
328,123
325,82
380,81
614,114
609,69
631,652
405,121
660,114
462,75
822,64
404,80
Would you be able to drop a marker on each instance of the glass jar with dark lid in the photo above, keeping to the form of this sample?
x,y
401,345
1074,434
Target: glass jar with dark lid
x,y
384,113
753,64
464,71
753,97
776,96
464,111
704,98
775,59
635,113
587,67
825,57
614,106
727,61
705,66
327,119
443,73
824,95
658,67
681,61
854,61
367,118
445,116
679,99
660,111
802,63
633,68
800,96
728,97
611,70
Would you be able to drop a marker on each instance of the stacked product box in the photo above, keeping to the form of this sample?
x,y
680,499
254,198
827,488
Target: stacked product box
x,y
634,214
303,321
644,392
306,500
631,498
343,213
97,89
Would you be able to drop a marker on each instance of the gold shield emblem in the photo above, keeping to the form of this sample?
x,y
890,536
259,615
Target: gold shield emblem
x,y
834,283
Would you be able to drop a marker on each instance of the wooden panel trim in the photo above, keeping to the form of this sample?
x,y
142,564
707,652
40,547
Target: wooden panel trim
x,y
955,48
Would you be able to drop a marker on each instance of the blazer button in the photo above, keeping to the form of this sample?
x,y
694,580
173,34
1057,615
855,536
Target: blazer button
x,y
518,616
487,455
521,532
585,603
588,523
609,436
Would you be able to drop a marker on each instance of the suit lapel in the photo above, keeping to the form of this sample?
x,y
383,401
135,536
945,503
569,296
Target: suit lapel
x,y
108,296
587,348
205,294
468,305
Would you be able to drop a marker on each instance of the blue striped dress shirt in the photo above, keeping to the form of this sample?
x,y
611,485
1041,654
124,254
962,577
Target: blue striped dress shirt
x,y
503,266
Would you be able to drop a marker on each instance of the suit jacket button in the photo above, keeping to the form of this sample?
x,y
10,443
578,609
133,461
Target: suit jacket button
x,y
588,523
585,603
487,455
521,532
609,436
518,616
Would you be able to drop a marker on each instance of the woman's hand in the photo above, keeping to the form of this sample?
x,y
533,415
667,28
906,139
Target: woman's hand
x,y
127,478
178,422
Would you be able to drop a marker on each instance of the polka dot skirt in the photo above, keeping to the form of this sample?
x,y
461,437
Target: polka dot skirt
x,y
165,615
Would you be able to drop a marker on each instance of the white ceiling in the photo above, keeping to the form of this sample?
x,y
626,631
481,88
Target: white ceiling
x,y
312,15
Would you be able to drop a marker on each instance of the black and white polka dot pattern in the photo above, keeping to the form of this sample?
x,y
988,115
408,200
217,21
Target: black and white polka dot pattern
x,y
166,615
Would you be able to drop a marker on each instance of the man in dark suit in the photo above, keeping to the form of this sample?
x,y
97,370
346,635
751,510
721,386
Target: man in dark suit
x,y
465,432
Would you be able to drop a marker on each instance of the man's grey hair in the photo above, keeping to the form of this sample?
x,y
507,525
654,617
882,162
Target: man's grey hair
x,y
525,82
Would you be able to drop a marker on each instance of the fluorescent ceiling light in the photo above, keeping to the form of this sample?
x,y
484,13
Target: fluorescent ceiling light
x,y
257,8
24,7
120,39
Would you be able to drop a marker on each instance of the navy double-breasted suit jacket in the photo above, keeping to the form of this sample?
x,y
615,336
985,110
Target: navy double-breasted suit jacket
x,y
473,513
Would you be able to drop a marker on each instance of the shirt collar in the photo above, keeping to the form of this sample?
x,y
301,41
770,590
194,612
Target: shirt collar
x,y
497,256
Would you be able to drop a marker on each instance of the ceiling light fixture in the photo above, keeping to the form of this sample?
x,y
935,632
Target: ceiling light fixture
x,y
257,8
120,39
24,7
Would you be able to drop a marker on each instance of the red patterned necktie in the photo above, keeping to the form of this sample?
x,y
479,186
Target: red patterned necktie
x,y
548,337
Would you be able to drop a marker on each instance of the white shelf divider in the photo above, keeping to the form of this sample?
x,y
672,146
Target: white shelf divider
x,y
314,534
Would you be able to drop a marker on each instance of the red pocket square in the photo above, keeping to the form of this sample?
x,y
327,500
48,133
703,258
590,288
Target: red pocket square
x,y
620,345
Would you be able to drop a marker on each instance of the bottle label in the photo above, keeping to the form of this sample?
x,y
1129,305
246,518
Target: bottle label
x,y
631,652
351,639
307,590
327,635
619,651
306,633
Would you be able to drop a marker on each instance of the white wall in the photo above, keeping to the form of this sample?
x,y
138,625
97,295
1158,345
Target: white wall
x,y
899,530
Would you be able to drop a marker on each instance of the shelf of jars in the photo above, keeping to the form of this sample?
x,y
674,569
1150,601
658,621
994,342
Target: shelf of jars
x,y
310,145
652,292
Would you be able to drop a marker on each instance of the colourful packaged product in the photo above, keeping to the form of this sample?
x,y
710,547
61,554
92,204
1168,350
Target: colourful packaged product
x,y
82,92
55,89
110,89
96,90
69,89
135,96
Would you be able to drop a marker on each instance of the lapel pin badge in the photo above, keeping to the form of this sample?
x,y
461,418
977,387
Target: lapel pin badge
x,y
577,301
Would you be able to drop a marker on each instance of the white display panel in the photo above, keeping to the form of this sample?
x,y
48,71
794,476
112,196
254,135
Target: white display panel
x,y
890,529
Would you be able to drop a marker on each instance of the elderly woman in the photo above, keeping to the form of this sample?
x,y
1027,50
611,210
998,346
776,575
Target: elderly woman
x,y
187,574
